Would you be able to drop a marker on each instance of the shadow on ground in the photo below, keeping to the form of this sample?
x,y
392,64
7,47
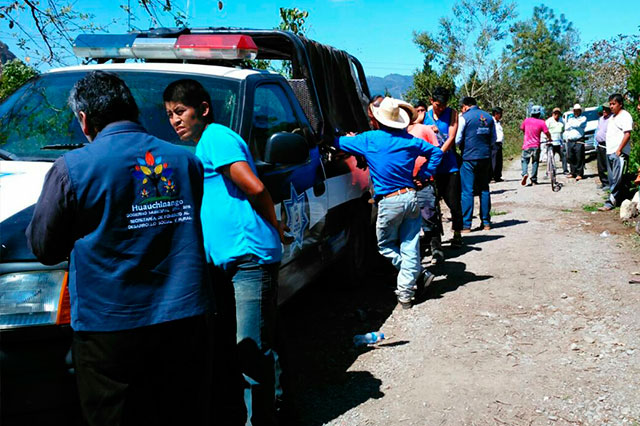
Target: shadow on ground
x,y
449,277
318,325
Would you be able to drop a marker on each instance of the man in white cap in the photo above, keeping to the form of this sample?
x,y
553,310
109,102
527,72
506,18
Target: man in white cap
x,y
391,154
574,135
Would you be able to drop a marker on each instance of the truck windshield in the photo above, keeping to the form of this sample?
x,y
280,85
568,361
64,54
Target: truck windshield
x,y
37,124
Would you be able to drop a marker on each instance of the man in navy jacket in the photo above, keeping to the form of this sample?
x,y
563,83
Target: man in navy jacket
x,y
125,210
476,137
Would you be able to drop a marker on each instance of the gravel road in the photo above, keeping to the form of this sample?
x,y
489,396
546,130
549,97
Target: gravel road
x,y
531,323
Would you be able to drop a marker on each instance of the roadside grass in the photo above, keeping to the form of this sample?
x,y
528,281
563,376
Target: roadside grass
x,y
497,213
567,211
593,207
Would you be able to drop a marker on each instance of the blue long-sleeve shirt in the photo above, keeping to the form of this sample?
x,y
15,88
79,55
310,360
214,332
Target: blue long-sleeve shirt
x,y
391,156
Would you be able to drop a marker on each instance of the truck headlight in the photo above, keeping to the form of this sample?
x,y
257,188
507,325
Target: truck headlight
x,y
30,298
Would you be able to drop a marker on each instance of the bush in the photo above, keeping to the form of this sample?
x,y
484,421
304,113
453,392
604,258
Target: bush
x,y
14,74
633,87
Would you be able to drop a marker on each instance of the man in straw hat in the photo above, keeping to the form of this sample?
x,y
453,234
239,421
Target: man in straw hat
x,y
574,135
391,154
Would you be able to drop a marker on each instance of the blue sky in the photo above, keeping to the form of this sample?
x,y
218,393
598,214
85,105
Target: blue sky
x,y
377,32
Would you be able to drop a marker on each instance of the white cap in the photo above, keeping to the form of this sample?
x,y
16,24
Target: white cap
x,y
577,106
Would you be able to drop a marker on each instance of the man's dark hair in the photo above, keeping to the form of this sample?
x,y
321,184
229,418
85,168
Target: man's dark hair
x,y
496,110
104,98
190,93
441,94
469,101
617,97
422,104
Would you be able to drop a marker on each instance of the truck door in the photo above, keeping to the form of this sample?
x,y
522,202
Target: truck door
x,y
299,190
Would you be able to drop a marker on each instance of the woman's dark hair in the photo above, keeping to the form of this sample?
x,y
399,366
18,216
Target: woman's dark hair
x,y
104,98
617,97
496,110
190,93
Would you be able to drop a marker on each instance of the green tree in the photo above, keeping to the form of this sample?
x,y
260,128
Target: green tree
x,y
633,86
464,47
45,29
14,74
602,68
543,51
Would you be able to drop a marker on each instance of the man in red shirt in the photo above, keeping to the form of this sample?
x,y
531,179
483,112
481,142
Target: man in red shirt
x,y
532,127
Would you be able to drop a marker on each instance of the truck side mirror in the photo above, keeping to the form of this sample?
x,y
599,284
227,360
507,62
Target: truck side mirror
x,y
286,148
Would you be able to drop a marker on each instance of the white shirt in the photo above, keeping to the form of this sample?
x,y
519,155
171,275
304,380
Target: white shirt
x,y
618,125
461,125
555,129
499,132
574,128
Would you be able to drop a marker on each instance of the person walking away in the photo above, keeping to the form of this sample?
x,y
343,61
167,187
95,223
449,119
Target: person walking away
x,y
391,154
242,242
496,152
444,121
601,148
555,125
138,283
574,135
476,136
532,127
426,190
618,149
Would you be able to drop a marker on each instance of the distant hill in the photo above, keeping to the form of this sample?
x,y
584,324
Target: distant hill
x,y
396,84
5,53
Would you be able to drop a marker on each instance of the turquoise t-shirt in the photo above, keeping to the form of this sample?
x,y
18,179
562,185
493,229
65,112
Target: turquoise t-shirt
x,y
231,227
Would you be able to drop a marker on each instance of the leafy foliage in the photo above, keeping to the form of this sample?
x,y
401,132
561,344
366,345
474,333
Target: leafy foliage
x,y
543,49
463,48
633,86
44,28
14,74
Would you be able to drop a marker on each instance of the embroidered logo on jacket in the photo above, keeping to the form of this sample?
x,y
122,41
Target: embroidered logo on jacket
x,y
156,199
156,179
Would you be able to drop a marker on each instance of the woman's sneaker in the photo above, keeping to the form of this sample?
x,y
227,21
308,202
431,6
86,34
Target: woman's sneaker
x,y
523,182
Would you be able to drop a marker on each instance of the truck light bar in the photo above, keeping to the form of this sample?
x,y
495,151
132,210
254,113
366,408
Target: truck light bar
x,y
186,46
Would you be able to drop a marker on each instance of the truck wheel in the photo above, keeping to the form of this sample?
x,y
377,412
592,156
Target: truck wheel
x,y
360,245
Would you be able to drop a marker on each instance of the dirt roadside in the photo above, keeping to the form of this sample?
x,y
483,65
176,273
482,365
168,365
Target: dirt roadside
x,y
532,323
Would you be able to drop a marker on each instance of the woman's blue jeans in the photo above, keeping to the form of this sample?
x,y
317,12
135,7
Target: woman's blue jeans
x,y
255,288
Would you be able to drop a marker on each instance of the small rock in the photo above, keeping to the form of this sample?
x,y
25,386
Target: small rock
x,y
575,347
589,339
553,418
605,234
563,296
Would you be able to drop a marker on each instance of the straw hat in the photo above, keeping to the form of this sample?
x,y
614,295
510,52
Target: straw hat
x,y
577,106
390,114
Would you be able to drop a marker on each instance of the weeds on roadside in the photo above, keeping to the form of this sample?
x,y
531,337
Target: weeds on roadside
x,y
567,211
593,207
497,213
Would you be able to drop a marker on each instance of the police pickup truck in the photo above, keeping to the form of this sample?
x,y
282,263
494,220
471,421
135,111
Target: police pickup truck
x,y
287,124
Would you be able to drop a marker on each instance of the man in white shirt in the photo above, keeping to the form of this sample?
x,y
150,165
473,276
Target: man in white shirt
x,y
618,148
574,135
496,152
556,127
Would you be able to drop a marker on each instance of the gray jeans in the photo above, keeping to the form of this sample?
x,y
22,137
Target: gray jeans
x,y
615,170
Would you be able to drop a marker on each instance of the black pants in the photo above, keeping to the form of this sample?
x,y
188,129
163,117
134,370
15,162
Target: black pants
x,y
496,161
601,158
152,375
575,156
448,186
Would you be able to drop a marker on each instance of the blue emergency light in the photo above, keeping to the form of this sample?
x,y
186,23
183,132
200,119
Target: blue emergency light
x,y
186,46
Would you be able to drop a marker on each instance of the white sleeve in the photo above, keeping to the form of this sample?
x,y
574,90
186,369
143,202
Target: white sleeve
x,y
461,123
626,124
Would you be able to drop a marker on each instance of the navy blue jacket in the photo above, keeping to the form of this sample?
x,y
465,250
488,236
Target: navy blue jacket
x,y
478,134
126,209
